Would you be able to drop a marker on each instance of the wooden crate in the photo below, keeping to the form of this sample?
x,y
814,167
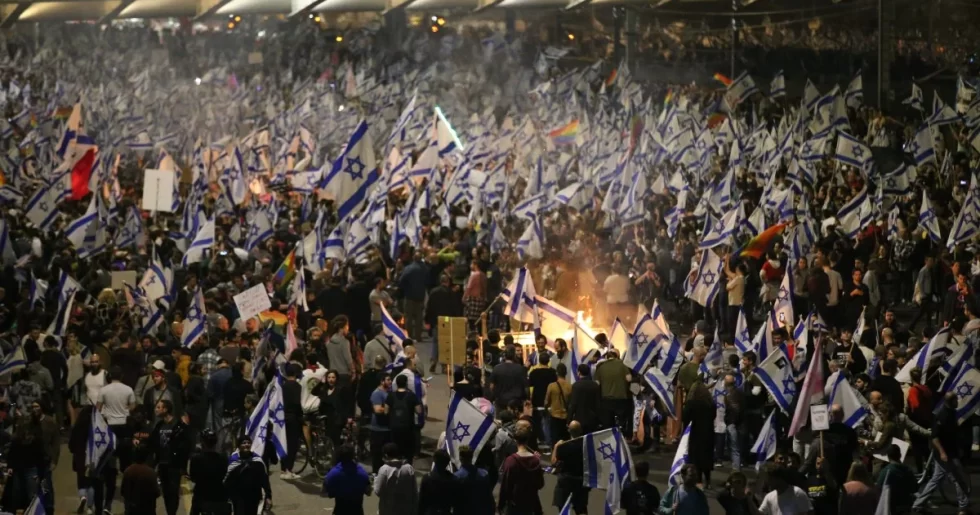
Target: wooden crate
x,y
452,340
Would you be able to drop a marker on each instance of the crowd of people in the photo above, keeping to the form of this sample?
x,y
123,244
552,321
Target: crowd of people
x,y
314,227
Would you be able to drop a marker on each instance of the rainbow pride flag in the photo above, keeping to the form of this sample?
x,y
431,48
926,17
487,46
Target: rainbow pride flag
x,y
287,270
760,244
612,77
668,97
565,135
62,113
722,79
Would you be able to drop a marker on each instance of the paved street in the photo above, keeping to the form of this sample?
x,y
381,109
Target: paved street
x,y
303,496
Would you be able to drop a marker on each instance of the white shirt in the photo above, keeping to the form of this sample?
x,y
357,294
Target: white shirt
x,y
93,386
116,398
793,501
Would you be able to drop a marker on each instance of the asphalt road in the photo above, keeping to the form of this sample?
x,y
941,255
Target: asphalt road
x,y
302,496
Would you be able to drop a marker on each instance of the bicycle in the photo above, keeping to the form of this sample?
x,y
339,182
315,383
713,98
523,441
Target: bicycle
x,y
320,449
228,434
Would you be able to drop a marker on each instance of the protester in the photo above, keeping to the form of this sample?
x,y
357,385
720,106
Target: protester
x,y
206,470
247,480
395,484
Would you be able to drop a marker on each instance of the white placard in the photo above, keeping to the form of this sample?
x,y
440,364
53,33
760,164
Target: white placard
x,y
819,419
123,276
158,190
252,301
902,445
255,58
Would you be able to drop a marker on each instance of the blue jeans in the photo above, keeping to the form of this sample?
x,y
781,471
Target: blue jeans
x,y
734,442
941,471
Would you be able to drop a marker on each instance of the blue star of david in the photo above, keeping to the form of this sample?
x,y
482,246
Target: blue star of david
x,y
891,182
807,149
311,179
789,387
702,145
642,339
355,168
43,206
914,148
968,219
263,433
254,231
608,453
783,294
194,312
351,239
461,431
719,394
709,277
99,437
964,390
278,416
719,226
857,151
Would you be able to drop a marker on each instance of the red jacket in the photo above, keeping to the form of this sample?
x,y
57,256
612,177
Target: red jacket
x,y
520,480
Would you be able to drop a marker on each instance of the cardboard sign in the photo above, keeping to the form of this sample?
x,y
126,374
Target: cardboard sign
x,y
158,190
255,58
123,276
252,301
902,445
819,418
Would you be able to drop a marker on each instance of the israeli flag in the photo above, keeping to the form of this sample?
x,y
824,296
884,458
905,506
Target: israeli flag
x,y
708,281
466,425
396,335
131,233
855,92
353,173
782,309
966,386
195,321
14,361
740,89
743,341
41,209
520,298
259,230
851,151
921,147
270,409
605,454
681,457
777,88
720,233
157,282
916,99
663,387
851,402
59,325
202,242
776,374
645,344
764,447
966,225
856,214
897,182
928,220
101,443
531,243
762,342
942,114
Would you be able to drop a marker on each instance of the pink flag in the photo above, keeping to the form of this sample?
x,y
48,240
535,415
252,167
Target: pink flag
x,y
812,386
291,344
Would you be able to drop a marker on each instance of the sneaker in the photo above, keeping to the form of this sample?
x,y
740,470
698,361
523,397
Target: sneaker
x,y
975,448
82,503
286,475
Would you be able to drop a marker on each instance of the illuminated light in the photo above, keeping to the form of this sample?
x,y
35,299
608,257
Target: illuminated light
x,y
317,19
435,28
571,37
197,81
341,108
435,18
261,34
340,39
238,18
232,16
311,16
441,21
231,25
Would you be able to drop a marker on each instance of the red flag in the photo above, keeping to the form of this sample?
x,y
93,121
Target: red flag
x,y
80,175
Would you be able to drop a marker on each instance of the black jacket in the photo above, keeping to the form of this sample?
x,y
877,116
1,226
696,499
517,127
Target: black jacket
x,y
583,403
436,493
171,443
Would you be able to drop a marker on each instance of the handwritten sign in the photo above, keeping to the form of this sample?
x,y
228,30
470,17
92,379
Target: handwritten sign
x,y
903,446
819,418
158,190
123,276
252,301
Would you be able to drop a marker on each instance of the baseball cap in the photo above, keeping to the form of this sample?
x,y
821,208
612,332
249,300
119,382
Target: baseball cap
x,y
158,365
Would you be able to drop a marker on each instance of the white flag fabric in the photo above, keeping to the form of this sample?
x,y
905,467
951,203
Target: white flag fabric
x,y
396,335
852,151
195,321
777,88
776,374
966,386
353,172
856,214
765,445
101,443
966,225
466,425
270,409
203,241
647,338
663,387
605,454
743,341
855,92
928,220
916,99
851,402
14,361
709,278
680,457
519,296
940,341
921,147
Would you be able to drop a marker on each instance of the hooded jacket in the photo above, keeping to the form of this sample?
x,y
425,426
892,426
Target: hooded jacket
x,y
520,480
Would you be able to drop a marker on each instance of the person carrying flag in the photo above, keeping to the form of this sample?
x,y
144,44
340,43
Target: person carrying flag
x,y
247,480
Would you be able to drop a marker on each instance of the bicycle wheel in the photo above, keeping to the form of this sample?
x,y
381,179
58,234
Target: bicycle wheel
x,y
302,458
321,455
228,436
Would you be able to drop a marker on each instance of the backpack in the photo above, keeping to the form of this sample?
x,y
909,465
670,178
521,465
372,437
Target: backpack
x,y
401,415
